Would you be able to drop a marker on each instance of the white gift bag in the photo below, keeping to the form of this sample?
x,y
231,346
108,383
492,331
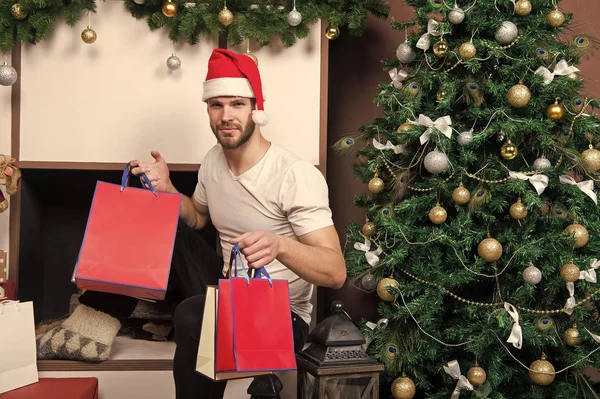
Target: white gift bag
x,y
18,360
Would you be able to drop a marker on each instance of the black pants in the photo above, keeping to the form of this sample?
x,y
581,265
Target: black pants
x,y
194,266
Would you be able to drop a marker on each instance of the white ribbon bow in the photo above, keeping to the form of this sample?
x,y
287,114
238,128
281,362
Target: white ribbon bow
x,y
562,68
590,274
397,77
442,124
516,335
594,336
381,324
398,149
570,305
371,256
453,369
539,182
432,29
586,186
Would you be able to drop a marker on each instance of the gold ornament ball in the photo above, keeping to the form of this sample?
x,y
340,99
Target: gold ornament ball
x,y
403,388
17,11
542,372
440,95
518,210
169,9
509,150
332,32
476,376
490,249
382,289
225,17
570,272
376,185
555,18
555,111
440,48
580,233
572,337
406,126
88,35
437,214
590,159
461,195
369,229
467,51
523,7
363,159
518,96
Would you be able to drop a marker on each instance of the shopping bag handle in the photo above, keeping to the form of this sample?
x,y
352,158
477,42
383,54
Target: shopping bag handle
x,y
127,175
237,253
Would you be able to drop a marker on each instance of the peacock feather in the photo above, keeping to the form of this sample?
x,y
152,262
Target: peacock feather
x,y
344,144
479,197
473,94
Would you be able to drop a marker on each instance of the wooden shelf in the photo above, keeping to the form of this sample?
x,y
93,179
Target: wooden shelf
x,y
176,167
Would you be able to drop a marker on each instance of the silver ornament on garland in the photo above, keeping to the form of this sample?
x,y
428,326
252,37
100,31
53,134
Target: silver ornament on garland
x,y
435,162
507,33
369,281
541,163
465,138
173,63
139,1
8,75
294,18
456,15
405,53
532,274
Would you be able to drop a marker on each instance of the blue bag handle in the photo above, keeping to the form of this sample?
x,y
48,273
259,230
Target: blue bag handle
x,y
127,174
237,253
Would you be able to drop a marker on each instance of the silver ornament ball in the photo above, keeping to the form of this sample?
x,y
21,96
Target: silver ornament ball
x,y
405,53
139,1
507,33
465,138
8,75
369,281
294,18
435,162
173,62
532,275
541,163
456,15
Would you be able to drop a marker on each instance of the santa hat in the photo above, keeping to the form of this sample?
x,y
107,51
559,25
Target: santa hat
x,y
231,74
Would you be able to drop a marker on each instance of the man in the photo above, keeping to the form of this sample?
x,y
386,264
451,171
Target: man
x,y
269,201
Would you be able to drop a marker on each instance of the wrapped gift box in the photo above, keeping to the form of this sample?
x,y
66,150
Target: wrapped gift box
x,y
57,388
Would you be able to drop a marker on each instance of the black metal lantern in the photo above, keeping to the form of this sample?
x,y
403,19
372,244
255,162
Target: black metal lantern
x,y
335,364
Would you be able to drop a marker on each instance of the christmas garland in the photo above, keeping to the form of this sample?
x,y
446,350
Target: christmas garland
x,y
31,21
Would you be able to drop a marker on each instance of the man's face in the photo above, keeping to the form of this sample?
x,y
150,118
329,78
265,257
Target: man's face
x,y
231,120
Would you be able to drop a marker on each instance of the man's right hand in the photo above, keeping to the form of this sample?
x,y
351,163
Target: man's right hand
x,y
157,172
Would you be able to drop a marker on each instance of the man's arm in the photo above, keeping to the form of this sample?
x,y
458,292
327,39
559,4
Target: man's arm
x,y
317,258
193,213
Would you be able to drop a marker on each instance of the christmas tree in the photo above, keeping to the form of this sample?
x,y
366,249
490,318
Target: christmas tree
x,y
481,225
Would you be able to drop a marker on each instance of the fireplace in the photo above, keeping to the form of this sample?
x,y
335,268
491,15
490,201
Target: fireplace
x,y
53,213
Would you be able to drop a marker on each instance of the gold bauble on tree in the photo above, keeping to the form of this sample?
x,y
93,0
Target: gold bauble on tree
x,y
382,289
440,47
369,229
555,111
169,9
225,16
406,126
572,337
490,249
363,159
403,388
542,372
467,51
437,214
17,11
519,95
509,150
88,35
518,210
523,7
461,195
570,272
555,18
332,32
476,376
440,95
590,159
376,184
580,233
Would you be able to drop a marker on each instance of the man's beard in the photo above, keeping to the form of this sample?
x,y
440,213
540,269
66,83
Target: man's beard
x,y
245,136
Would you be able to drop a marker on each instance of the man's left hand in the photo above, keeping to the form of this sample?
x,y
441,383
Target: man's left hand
x,y
259,247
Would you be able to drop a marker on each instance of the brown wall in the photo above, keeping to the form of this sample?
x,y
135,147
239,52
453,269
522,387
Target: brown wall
x,y
355,71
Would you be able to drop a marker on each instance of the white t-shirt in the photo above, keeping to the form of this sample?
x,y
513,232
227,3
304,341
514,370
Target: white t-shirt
x,y
281,193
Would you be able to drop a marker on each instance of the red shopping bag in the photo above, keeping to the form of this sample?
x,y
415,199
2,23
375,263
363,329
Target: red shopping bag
x,y
128,242
263,337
